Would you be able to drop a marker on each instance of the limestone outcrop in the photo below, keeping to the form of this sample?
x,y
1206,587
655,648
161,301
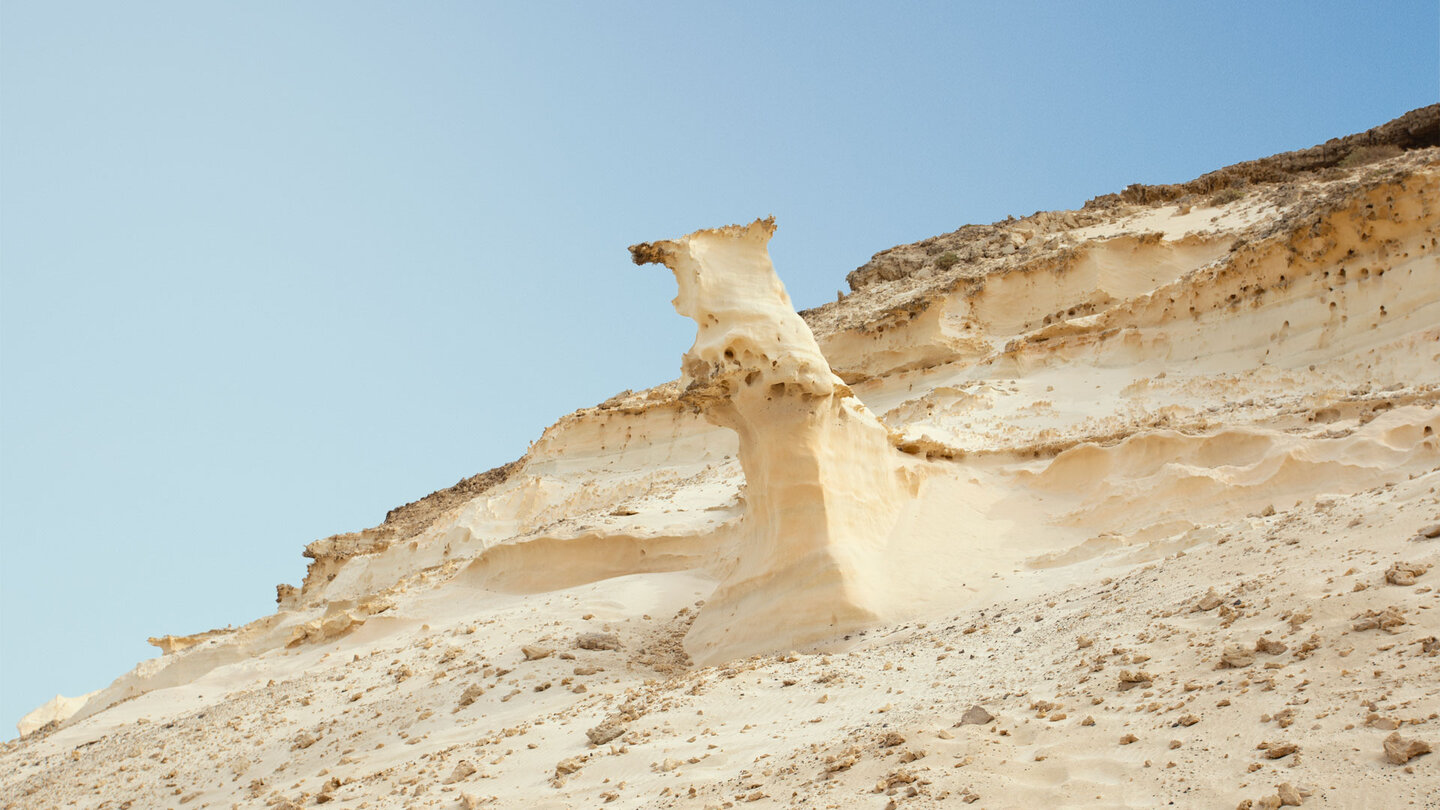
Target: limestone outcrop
x,y
51,713
1022,490
823,485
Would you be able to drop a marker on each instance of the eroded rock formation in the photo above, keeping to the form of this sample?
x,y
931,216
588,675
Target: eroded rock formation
x,y
823,485
1143,437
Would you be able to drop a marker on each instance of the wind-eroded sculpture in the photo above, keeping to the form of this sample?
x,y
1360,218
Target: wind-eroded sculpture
x,y
823,484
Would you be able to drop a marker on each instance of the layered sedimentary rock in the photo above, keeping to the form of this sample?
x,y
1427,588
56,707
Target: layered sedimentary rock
x,y
822,483
1181,428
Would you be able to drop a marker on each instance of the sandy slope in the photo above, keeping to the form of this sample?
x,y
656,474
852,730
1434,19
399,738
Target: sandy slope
x,y
1172,465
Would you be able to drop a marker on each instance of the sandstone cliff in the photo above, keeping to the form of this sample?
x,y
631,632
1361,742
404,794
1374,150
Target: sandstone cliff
x,y
1116,507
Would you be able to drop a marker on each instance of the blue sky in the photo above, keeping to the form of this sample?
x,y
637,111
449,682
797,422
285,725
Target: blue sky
x,y
270,269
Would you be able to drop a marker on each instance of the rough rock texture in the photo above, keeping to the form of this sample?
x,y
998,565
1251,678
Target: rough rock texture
x,y
51,713
1127,443
823,486
1400,750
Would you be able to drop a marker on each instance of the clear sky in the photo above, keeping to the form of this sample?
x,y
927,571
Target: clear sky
x,y
268,269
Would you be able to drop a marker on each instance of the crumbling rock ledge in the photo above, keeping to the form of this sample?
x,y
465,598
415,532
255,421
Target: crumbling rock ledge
x,y
328,555
824,486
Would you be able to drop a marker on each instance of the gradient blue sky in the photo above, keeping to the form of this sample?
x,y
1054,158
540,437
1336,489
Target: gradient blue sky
x,y
269,269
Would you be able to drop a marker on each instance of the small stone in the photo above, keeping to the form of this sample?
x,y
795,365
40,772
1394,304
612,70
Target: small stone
x,y
1129,738
842,761
471,692
1281,750
1289,796
1429,532
976,716
1269,646
1391,619
535,653
1400,750
892,739
1130,680
1209,601
605,732
1188,720
1403,573
463,769
1234,657
597,641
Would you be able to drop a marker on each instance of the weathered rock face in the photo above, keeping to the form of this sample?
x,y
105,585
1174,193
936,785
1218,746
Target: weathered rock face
x,y
823,483
54,711
1141,438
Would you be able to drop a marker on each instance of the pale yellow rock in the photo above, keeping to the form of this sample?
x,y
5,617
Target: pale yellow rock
x,y
1401,750
55,710
823,484
1235,656
1107,420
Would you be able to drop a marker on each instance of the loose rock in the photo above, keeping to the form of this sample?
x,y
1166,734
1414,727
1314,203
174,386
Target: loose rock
x,y
471,692
1280,750
1234,657
1129,680
605,732
1391,619
1400,750
976,716
1209,601
1403,573
597,641
1270,646
463,769
892,739
1289,795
